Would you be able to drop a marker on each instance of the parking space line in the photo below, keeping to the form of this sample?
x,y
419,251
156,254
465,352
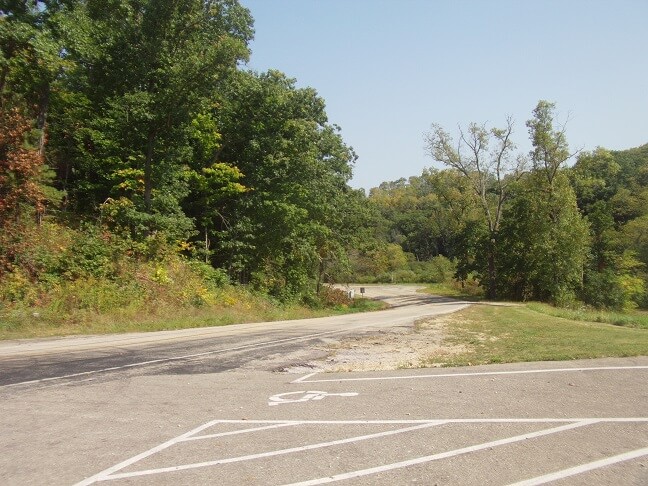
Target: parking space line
x,y
117,467
442,455
572,471
243,431
305,379
113,473
230,460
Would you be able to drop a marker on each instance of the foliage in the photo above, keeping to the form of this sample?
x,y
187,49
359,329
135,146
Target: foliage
x,y
21,168
548,230
489,172
288,227
170,172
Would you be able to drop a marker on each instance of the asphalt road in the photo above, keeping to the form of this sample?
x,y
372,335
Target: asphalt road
x,y
186,408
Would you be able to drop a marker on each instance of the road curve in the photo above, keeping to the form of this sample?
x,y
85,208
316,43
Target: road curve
x,y
37,361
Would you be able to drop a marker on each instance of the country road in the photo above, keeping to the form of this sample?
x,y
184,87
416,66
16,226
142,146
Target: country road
x,y
203,407
203,350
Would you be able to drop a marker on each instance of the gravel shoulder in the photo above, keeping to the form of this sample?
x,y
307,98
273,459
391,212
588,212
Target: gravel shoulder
x,y
386,349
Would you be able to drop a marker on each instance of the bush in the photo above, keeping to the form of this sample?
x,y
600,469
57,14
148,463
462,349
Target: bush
x,y
607,290
328,297
439,269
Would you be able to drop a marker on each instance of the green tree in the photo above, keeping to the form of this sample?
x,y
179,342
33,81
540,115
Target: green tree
x,y
287,226
546,242
30,57
485,158
544,233
144,72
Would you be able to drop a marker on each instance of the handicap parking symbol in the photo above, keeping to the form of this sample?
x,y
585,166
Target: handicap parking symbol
x,y
304,396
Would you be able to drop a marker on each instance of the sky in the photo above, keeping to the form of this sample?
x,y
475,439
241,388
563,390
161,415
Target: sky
x,y
387,70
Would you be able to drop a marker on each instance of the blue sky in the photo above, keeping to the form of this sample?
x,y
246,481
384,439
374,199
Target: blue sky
x,y
389,69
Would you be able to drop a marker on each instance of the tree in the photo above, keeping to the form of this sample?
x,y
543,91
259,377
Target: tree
x,y
546,237
21,168
289,225
145,72
550,149
546,241
31,59
490,171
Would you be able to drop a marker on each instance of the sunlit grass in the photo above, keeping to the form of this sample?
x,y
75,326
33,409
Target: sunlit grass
x,y
469,291
637,319
503,334
234,306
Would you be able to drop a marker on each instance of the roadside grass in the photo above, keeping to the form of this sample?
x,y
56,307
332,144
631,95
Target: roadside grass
x,y
638,319
469,291
631,318
234,305
506,334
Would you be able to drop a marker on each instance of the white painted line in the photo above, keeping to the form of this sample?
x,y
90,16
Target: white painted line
x,y
178,358
485,373
442,455
299,380
541,420
106,477
244,431
103,475
583,468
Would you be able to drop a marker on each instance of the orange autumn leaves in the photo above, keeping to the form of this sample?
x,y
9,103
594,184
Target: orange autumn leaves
x,y
20,168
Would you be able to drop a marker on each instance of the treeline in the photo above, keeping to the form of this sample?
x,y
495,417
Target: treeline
x,y
140,160
524,227
132,134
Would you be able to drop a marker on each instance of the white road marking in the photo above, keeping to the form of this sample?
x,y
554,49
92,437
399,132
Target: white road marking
x,y
541,420
305,396
570,423
107,475
106,472
243,431
305,379
178,358
572,471
442,455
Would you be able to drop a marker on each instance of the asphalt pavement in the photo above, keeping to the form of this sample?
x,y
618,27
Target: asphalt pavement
x,y
182,408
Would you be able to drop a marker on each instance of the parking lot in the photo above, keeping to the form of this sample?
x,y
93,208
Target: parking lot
x,y
584,423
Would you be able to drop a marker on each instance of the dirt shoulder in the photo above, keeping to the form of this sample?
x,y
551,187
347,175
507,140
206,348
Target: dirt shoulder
x,y
390,349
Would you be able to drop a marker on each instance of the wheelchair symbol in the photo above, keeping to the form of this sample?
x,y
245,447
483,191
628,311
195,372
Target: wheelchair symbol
x,y
304,396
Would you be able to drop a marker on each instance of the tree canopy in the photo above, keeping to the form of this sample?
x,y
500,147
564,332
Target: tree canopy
x,y
136,123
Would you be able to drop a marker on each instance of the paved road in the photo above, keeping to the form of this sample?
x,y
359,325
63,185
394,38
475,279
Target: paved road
x,y
203,350
204,418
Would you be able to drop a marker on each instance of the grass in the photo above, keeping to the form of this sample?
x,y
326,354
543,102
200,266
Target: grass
x,y
505,334
453,289
638,319
235,306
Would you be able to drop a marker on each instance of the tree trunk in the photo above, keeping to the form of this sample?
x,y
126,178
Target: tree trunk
x,y
41,118
492,271
148,169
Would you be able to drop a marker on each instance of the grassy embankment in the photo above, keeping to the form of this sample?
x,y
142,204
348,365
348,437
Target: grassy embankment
x,y
57,280
237,305
539,332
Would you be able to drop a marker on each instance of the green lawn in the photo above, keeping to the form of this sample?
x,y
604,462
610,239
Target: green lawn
x,y
502,334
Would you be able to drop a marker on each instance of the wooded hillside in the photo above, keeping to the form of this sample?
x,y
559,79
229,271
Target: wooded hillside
x,y
140,159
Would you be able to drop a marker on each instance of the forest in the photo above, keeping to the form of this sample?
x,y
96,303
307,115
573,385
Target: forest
x,y
144,167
